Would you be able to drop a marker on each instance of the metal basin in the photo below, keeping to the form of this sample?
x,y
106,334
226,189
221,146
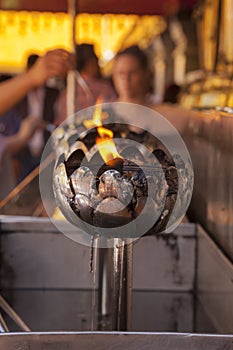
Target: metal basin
x,y
129,341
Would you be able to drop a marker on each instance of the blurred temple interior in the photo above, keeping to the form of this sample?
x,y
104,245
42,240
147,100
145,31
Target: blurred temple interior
x,y
176,282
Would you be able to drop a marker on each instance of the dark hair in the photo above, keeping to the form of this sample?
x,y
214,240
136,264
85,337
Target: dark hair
x,y
171,93
84,52
136,52
32,60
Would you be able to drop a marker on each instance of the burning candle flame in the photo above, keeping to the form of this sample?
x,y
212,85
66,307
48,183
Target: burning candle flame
x,y
97,115
106,145
105,134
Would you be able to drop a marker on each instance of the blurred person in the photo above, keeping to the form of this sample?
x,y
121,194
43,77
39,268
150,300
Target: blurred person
x,y
13,138
132,76
12,150
53,63
171,93
17,140
90,85
132,81
17,135
39,102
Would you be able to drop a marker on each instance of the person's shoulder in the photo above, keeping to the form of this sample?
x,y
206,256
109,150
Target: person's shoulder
x,y
106,87
103,82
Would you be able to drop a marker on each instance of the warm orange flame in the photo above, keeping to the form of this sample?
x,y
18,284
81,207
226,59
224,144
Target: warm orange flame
x,y
106,145
108,151
105,134
97,115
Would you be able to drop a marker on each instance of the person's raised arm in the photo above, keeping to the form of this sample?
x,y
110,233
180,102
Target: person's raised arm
x,y
53,63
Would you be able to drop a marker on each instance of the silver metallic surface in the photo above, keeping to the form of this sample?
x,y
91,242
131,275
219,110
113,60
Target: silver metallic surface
x,y
209,139
208,136
214,283
50,282
29,243
105,288
122,285
110,341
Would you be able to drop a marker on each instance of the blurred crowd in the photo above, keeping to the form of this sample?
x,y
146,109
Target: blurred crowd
x,y
33,101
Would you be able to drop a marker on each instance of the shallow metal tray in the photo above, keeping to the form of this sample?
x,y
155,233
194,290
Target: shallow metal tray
x,y
115,341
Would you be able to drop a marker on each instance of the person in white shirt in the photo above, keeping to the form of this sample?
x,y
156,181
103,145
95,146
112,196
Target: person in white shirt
x,y
39,103
54,63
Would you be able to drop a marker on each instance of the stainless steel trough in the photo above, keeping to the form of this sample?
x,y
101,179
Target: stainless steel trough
x,y
180,284
115,341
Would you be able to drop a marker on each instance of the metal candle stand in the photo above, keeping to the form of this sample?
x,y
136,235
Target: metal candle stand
x,y
82,186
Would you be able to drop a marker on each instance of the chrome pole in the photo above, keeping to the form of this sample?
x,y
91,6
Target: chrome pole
x,y
105,289
122,285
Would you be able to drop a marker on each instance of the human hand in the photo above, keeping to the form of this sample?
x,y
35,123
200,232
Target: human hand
x,y
55,63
